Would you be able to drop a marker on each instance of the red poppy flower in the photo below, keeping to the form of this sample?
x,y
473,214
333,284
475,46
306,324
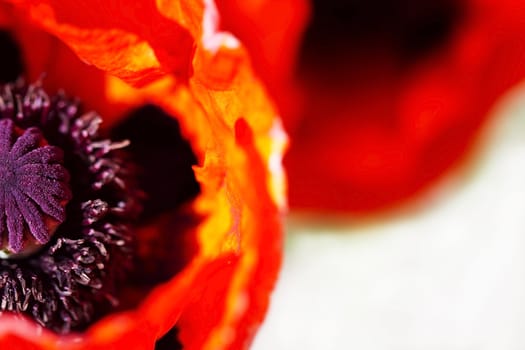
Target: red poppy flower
x,y
172,57
395,95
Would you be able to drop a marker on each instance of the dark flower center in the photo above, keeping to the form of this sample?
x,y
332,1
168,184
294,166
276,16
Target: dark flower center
x,y
67,203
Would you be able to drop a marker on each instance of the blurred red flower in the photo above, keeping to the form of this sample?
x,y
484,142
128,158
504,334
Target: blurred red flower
x,y
394,95
119,55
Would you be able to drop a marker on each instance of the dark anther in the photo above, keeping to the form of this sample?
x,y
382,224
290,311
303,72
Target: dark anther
x,y
57,174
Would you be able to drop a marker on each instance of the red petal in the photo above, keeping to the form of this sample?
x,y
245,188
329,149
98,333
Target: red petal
x,y
380,137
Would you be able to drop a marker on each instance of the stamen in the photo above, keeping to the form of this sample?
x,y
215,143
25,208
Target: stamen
x,y
69,192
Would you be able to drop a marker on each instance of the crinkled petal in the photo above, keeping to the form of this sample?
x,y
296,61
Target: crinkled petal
x,y
45,55
134,42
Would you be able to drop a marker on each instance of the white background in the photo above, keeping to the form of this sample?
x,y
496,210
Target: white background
x,y
446,274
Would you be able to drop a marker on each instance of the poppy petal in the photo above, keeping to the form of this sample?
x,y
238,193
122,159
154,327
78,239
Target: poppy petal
x,y
377,135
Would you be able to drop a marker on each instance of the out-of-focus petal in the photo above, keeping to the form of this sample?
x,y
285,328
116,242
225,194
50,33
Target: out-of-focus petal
x,y
383,133
177,58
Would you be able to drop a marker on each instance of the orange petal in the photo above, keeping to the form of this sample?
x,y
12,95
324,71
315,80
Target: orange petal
x,y
136,43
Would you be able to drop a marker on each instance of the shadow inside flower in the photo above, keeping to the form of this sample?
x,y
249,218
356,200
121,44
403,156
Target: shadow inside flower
x,y
164,161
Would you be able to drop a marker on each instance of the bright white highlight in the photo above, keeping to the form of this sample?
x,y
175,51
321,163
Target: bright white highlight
x,y
212,38
275,163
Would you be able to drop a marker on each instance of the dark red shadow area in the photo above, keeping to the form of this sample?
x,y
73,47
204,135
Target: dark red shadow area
x,y
394,95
